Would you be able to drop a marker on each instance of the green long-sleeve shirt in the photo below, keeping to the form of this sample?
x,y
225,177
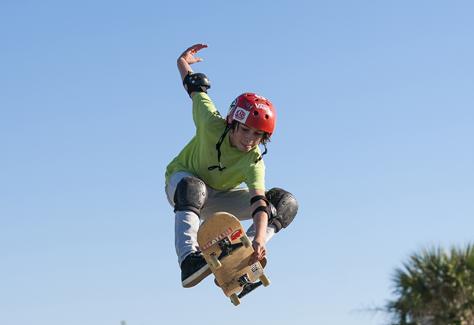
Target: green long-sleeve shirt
x,y
200,152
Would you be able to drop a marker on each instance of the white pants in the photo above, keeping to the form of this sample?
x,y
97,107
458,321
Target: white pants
x,y
235,201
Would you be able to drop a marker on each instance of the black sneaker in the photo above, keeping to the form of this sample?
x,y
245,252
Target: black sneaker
x,y
193,270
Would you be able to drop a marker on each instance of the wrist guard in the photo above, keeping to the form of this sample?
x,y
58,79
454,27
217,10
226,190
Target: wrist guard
x,y
196,82
261,208
259,197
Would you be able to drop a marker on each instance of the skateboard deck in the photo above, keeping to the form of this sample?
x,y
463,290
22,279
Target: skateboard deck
x,y
228,250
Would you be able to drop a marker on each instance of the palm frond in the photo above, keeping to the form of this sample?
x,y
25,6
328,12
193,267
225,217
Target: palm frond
x,y
434,286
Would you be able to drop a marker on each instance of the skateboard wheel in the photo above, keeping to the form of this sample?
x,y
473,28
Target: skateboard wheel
x,y
235,299
215,263
264,280
246,241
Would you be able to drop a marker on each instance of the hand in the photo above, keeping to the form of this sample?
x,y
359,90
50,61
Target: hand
x,y
189,54
259,251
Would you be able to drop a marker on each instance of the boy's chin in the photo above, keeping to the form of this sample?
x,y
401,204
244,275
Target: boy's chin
x,y
245,148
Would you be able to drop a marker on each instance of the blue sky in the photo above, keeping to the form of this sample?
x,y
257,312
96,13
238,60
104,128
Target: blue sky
x,y
375,138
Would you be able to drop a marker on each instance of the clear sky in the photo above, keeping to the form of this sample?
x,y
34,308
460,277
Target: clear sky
x,y
375,137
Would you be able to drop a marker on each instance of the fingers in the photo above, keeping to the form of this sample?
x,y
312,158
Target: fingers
x,y
188,54
254,259
195,48
258,255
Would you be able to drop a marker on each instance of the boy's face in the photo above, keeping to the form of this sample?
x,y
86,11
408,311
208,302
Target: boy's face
x,y
245,138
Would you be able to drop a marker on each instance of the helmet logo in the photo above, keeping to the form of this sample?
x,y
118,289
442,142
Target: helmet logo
x,y
241,115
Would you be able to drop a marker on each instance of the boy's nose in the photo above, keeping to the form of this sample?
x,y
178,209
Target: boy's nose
x,y
248,140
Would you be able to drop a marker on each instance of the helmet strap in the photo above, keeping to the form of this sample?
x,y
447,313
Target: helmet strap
x,y
264,153
218,148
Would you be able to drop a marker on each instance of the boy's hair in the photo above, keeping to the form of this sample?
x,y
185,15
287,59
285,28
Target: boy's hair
x,y
265,138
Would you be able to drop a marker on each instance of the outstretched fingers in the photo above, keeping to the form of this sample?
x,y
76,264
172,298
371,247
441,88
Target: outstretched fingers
x,y
197,47
189,53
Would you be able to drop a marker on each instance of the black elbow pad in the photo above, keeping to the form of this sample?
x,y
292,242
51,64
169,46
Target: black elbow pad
x,y
196,82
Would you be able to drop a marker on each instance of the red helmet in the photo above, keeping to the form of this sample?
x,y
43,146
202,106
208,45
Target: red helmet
x,y
254,111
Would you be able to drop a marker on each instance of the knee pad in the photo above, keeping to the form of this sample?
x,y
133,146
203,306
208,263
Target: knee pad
x,y
190,195
283,207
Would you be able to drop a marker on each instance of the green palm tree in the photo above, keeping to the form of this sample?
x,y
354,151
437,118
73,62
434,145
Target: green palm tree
x,y
435,287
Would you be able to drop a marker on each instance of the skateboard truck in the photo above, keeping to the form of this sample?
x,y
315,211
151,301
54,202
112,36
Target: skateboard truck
x,y
243,280
247,285
227,248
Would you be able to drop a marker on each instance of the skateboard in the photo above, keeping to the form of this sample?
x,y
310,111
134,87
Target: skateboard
x,y
228,250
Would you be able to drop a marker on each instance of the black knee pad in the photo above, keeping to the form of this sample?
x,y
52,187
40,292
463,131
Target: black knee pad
x,y
283,208
190,195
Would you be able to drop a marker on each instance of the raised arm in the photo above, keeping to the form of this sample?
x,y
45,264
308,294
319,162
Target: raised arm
x,y
192,82
187,58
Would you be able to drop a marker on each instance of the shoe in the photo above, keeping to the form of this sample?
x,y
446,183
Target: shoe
x,y
193,270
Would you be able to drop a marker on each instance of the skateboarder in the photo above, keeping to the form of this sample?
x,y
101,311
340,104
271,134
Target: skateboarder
x,y
205,176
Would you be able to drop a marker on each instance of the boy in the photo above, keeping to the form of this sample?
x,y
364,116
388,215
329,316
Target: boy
x,y
224,153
